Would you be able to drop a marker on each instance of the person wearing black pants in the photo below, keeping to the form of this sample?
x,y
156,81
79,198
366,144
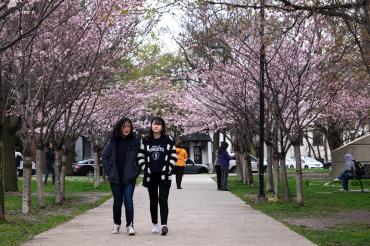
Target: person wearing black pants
x,y
49,161
157,157
218,175
119,160
223,159
182,155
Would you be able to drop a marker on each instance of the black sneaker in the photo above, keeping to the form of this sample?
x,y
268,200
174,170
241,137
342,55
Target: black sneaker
x,y
164,230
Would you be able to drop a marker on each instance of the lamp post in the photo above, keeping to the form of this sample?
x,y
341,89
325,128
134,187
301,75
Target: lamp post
x,y
261,193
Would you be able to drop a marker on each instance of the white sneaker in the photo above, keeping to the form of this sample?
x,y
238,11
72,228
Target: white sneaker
x,y
130,230
156,228
164,230
115,229
336,179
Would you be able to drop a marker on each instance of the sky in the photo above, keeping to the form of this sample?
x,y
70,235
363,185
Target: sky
x,y
167,29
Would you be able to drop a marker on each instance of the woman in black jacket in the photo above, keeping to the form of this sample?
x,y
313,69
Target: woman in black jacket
x,y
158,157
119,160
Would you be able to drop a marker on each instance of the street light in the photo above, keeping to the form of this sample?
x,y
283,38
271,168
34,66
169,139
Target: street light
x,y
261,193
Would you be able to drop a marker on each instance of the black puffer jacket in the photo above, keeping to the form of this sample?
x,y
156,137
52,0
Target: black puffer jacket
x,y
131,170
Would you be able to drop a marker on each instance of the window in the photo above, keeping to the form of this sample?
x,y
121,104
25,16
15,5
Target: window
x,y
318,138
197,154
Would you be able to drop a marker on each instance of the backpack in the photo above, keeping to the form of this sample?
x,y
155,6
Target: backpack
x,y
359,171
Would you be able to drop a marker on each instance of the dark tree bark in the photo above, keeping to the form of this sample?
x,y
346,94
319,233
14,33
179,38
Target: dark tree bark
x,y
8,131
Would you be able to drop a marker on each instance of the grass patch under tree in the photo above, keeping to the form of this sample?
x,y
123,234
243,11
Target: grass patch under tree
x,y
321,200
80,197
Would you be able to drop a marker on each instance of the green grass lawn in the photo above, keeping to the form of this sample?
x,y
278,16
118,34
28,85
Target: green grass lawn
x,y
321,200
80,197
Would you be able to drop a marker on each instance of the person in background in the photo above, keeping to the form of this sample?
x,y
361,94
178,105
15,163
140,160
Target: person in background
x,y
119,161
18,161
49,161
182,155
158,157
349,168
224,162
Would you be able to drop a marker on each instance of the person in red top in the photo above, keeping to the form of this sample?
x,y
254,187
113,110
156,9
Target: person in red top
x,y
182,155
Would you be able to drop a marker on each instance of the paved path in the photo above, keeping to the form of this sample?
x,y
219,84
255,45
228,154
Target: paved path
x,y
199,215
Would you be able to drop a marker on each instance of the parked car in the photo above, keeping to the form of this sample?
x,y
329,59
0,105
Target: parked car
x,y
20,169
254,164
192,168
84,167
307,162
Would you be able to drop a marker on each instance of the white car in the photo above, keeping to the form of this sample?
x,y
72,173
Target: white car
x,y
307,162
254,163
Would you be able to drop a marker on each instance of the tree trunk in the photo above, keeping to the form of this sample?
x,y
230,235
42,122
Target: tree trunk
x,y
39,183
284,178
248,170
325,149
275,161
334,136
269,186
297,155
58,166
2,203
104,176
27,169
9,165
96,169
215,146
239,166
63,177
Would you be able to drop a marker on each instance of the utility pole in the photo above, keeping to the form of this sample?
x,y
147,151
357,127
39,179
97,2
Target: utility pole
x,y
261,193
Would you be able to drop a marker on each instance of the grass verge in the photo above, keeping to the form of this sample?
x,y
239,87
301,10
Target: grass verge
x,y
321,201
80,197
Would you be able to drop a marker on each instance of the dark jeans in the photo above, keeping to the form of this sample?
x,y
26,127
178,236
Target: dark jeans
x,y
344,176
123,193
49,170
179,174
224,177
218,174
158,193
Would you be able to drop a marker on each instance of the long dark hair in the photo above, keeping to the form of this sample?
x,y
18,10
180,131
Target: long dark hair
x,y
117,133
223,146
157,120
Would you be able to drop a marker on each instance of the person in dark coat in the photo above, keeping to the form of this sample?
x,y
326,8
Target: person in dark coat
x,y
49,163
224,162
158,158
119,160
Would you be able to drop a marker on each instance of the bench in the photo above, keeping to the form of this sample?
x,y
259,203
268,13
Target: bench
x,y
361,172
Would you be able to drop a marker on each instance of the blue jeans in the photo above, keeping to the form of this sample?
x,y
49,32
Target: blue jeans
x,y
49,170
123,193
344,176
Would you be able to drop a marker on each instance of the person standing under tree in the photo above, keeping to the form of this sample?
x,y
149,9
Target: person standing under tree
x,y
182,155
49,161
224,162
158,157
119,160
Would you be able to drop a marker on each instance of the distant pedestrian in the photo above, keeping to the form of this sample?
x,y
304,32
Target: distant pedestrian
x,y
182,155
19,161
49,161
348,171
158,157
119,160
224,162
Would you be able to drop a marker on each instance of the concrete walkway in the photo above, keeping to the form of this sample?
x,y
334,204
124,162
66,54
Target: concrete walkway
x,y
199,215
